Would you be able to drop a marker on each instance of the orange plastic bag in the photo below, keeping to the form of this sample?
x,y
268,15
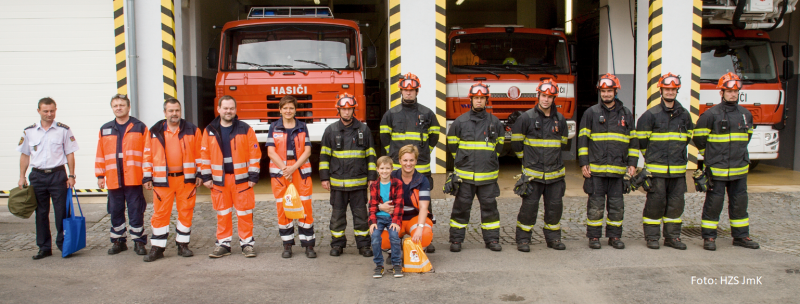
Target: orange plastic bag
x,y
414,258
292,206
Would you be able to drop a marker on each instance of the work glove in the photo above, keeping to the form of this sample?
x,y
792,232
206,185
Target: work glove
x,y
626,184
701,183
642,179
522,187
451,184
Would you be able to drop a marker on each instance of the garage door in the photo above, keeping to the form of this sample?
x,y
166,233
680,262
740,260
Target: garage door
x,y
61,49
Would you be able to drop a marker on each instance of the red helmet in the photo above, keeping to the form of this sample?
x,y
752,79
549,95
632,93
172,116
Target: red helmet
x,y
345,100
608,81
729,81
549,87
670,80
478,89
409,82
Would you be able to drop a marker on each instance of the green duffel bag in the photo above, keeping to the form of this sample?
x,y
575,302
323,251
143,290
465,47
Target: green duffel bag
x,y
22,202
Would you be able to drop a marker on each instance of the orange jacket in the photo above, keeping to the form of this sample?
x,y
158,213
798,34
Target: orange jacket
x,y
105,165
278,138
155,156
245,153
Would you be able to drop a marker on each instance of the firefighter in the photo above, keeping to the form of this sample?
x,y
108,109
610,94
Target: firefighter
x,y
537,138
171,159
289,147
665,130
347,161
410,123
722,135
118,166
607,149
231,162
476,140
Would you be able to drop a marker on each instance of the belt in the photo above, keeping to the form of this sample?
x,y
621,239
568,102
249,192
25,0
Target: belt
x,y
175,174
48,171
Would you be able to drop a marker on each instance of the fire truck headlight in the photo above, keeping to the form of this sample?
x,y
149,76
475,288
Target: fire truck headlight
x,y
770,138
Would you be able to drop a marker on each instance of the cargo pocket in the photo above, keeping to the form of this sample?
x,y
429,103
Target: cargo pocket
x,y
217,199
245,198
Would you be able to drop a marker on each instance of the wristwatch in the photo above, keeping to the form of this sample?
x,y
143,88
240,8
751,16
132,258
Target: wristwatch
x,y
71,176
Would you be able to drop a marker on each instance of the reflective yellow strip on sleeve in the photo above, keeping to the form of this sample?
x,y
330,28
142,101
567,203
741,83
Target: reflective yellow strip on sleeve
x,y
633,152
386,129
324,165
643,134
520,154
517,137
371,152
452,139
434,129
583,151
585,132
702,132
325,150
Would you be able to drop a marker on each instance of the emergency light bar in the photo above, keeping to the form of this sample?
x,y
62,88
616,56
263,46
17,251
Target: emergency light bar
x,y
290,12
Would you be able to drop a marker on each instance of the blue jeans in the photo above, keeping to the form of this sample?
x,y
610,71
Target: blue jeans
x,y
394,239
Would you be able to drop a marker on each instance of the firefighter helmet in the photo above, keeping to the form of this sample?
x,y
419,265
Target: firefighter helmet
x,y
608,81
670,81
729,81
345,100
409,82
478,89
549,87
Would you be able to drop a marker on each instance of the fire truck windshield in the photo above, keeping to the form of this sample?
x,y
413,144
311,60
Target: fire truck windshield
x,y
290,46
752,59
504,53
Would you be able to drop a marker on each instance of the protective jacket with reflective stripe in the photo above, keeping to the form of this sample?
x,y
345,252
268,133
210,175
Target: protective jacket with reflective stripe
x,y
155,155
721,136
476,139
278,138
347,156
412,124
663,135
245,153
607,141
537,140
133,141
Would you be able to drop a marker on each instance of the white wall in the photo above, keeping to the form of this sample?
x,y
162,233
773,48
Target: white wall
x,y
623,46
149,64
60,49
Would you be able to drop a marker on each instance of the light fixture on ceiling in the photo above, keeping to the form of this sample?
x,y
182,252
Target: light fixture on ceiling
x,y
458,2
568,17
316,2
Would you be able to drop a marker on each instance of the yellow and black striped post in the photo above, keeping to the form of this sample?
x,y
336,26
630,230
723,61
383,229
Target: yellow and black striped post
x,y
694,107
168,48
655,23
119,47
441,84
394,52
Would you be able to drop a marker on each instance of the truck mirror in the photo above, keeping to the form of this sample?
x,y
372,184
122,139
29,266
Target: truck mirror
x,y
573,53
212,58
787,50
788,70
372,57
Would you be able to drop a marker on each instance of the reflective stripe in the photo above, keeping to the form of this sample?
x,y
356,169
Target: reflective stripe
x,y
216,167
239,165
740,223
111,167
525,228
614,223
607,168
610,136
323,165
555,227
205,161
545,175
287,226
325,150
227,160
158,243
100,160
224,211
147,165
709,224
114,235
452,139
348,182
520,154
585,132
217,178
702,152
337,234
413,227
287,237
702,132
244,212
254,160
305,198
293,209
248,241
270,140
409,136
434,129
455,224
181,238
160,230
477,176
181,228
666,169
427,261
99,170
476,145
133,152
110,156
136,229
305,170
490,225
160,179
254,169
189,165
120,155
594,223
289,152
643,134
241,176
305,225
633,152
649,221
423,168
728,137
275,171
361,232
583,151
729,172
672,220
386,129
371,166
205,171
546,143
517,137
189,176
666,136
147,174
306,237
350,154
160,168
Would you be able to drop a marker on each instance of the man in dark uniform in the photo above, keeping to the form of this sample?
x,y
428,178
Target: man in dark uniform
x,y
47,146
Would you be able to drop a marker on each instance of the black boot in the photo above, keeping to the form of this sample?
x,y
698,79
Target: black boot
x,y
616,243
653,244
42,254
155,254
336,251
287,251
557,245
594,243
494,246
455,247
524,246
310,253
117,247
745,242
675,243
709,244
139,248
183,250
430,249
365,251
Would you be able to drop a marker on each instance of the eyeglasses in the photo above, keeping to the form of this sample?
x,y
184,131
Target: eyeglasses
x,y
409,84
120,96
548,88
606,83
672,80
732,84
479,89
347,102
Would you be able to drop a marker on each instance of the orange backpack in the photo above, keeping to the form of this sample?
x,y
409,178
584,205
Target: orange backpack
x,y
292,206
414,258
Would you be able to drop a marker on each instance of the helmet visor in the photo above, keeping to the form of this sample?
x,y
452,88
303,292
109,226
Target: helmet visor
x,y
479,90
732,84
548,88
671,80
346,102
409,84
605,83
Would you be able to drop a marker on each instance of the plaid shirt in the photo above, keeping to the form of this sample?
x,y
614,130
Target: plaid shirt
x,y
396,195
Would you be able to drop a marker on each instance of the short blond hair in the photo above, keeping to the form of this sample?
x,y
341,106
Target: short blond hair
x,y
408,149
385,160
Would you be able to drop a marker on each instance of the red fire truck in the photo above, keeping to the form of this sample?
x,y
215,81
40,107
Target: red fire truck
x,y
298,51
512,60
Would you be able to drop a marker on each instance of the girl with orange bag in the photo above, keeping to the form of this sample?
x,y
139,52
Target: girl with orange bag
x,y
289,147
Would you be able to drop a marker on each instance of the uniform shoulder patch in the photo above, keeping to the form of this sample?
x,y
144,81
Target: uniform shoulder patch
x,y
30,127
62,125
21,140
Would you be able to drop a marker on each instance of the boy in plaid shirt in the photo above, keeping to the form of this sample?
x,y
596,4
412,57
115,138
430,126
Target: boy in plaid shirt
x,y
387,190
